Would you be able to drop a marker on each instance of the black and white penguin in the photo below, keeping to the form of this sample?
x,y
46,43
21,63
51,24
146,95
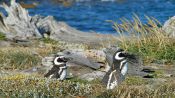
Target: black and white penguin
x,y
118,69
59,69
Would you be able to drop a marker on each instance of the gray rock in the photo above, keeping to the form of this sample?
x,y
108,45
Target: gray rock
x,y
5,43
156,82
21,42
47,61
169,26
93,75
76,70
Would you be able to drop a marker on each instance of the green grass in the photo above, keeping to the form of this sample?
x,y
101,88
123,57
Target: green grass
x,y
17,59
147,40
133,80
49,41
2,36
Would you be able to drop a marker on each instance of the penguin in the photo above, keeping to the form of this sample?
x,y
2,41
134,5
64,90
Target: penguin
x,y
116,74
59,69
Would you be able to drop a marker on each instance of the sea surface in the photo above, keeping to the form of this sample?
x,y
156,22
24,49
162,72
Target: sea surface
x,y
92,15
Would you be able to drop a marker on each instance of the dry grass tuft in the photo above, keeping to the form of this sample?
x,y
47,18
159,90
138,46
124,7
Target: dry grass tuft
x,y
148,40
21,57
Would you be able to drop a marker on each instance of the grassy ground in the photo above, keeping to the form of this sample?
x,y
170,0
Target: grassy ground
x,y
153,44
21,85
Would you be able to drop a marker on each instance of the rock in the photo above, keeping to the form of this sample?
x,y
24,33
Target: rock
x,y
168,75
169,27
47,61
156,82
20,42
31,70
5,43
134,69
148,70
76,70
93,75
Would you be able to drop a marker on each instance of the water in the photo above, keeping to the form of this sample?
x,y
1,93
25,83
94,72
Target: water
x,y
91,15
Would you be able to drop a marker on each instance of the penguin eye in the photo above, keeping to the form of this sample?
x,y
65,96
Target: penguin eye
x,y
121,55
60,60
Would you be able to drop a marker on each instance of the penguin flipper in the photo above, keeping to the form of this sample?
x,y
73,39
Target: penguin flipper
x,y
112,79
106,77
52,72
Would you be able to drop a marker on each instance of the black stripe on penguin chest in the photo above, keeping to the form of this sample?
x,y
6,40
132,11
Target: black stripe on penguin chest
x,y
118,65
113,77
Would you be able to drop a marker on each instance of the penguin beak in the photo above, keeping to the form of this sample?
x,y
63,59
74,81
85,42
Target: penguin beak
x,y
67,58
130,57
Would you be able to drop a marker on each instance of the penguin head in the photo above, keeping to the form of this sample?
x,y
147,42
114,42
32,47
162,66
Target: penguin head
x,y
121,55
60,59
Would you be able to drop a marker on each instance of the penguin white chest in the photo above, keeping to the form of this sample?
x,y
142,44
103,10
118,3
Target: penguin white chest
x,y
124,69
63,73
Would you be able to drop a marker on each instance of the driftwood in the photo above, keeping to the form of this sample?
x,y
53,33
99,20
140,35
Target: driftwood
x,y
49,27
19,24
94,59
